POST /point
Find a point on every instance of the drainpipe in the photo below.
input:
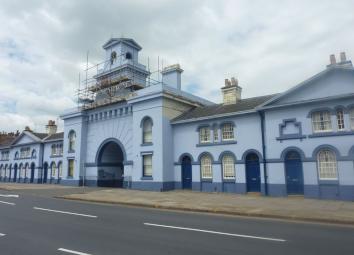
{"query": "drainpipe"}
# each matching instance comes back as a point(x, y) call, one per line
point(261, 114)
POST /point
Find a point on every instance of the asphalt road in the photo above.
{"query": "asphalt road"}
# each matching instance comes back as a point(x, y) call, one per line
point(34, 224)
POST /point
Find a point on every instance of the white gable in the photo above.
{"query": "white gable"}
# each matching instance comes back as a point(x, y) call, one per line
point(24, 139)
point(330, 83)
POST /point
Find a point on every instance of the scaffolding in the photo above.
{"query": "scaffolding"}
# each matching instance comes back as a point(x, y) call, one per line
point(104, 85)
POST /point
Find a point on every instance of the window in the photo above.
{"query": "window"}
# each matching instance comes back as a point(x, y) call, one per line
point(25, 152)
point(327, 165)
point(71, 168)
point(5, 155)
point(60, 170)
point(72, 138)
point(34, 154)
point(147, 165)
point(147, 130)
point(340, 119)
point(16, 155)
point(352, 118)
point(228, 132)
point(206, 167)
point(54, 150)
point(216, 135)
point(321, 121)
point(54, 169)
point(228, 167)
point(26, 170)
point(204, 135)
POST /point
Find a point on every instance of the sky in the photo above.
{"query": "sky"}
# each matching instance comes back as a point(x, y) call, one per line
point(269, 46)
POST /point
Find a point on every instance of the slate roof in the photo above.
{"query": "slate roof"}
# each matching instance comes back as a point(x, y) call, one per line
point(219, 109)
point(6, 141)
point(56, 136)
point(40, 135)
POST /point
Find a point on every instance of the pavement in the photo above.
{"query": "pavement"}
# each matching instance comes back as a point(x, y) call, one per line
point(291, 208)
point(36, 224)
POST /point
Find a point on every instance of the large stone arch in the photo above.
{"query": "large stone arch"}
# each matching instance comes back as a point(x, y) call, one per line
point(110, 158)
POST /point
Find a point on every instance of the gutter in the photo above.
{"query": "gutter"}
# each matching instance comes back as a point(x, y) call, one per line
point(261, 114)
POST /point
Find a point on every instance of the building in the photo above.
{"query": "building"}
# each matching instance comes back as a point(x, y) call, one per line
point(133, 134)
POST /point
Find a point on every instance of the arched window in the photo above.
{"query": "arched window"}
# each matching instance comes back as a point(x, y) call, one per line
point(5, 170)
point(340, 119)
point(227, 132)
point(327, 165)
point(60, 169)
point(352, 118)
point(228, 167)
point(34, 154)
point(147, 130)
point(54, 169)
point(16, 155)
point(1, 171)
point(72, 138)
point(25, 170)
point(321, 121)
point(206, 167)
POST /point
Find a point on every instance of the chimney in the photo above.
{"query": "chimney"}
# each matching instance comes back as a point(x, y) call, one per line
point(343, 58)
point(231, 92)
point(332, 59)
point(171, 76)
point(51, 127)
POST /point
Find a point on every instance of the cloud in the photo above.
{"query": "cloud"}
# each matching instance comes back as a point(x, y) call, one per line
point(268, 45)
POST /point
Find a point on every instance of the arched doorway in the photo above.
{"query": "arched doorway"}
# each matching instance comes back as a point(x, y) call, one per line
point(110, 165)
point(253, 173)
point(293, 173)
point(45, 172)
point(186, 172)
point(15, 173)
point(32, 173)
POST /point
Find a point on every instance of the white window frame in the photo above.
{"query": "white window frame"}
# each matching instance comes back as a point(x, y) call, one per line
point(228, 167)
point(216, 134)
point(206, 167)
point(72, 140)
point(204, 135)
point(60, 169)
point(73, 168)
point(147, 165)
point(321, 121)
point(53, 169)
point(327, 165)
point(147, 131)
point(227, 132)
point(340, 119)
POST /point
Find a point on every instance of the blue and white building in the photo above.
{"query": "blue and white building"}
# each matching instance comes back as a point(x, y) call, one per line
point(131, 134)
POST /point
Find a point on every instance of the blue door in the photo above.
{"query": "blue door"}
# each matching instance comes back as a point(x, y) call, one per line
point(32, 174)
point(253, 173)
point(293, 174)
point(15, 173)
point(45, 174)
point(186, 173)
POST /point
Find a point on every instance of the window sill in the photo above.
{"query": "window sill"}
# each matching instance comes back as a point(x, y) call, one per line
point(56, 156)
point(328, 182)
point(326, 134)
point(146, 144)
point(289, 137)
point(146, 178)
point(71, 151)
point(210, 180)
point(215, 144)
point(229, 180)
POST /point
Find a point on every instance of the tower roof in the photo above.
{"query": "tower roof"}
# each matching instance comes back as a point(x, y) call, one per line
point(128, 41)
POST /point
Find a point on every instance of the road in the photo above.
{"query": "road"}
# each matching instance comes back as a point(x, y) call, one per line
point(35, 224)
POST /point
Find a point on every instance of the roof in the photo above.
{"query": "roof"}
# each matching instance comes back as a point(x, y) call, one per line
point(6, 141)
point(40, 135)
point(128, 41)
point(242, 105)
point(56, 136)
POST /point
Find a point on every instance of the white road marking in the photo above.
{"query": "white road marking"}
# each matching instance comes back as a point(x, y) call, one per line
point(72, 252)
point(8, 203)
point(2, 234)
point(2, 195)
point(63, 212)
point(218, 233)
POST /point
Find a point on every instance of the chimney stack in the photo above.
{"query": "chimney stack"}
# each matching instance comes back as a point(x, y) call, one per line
point(332, 59)
point(231, 92)
point(171, 76)
point(343, 58)
point(51, 127)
